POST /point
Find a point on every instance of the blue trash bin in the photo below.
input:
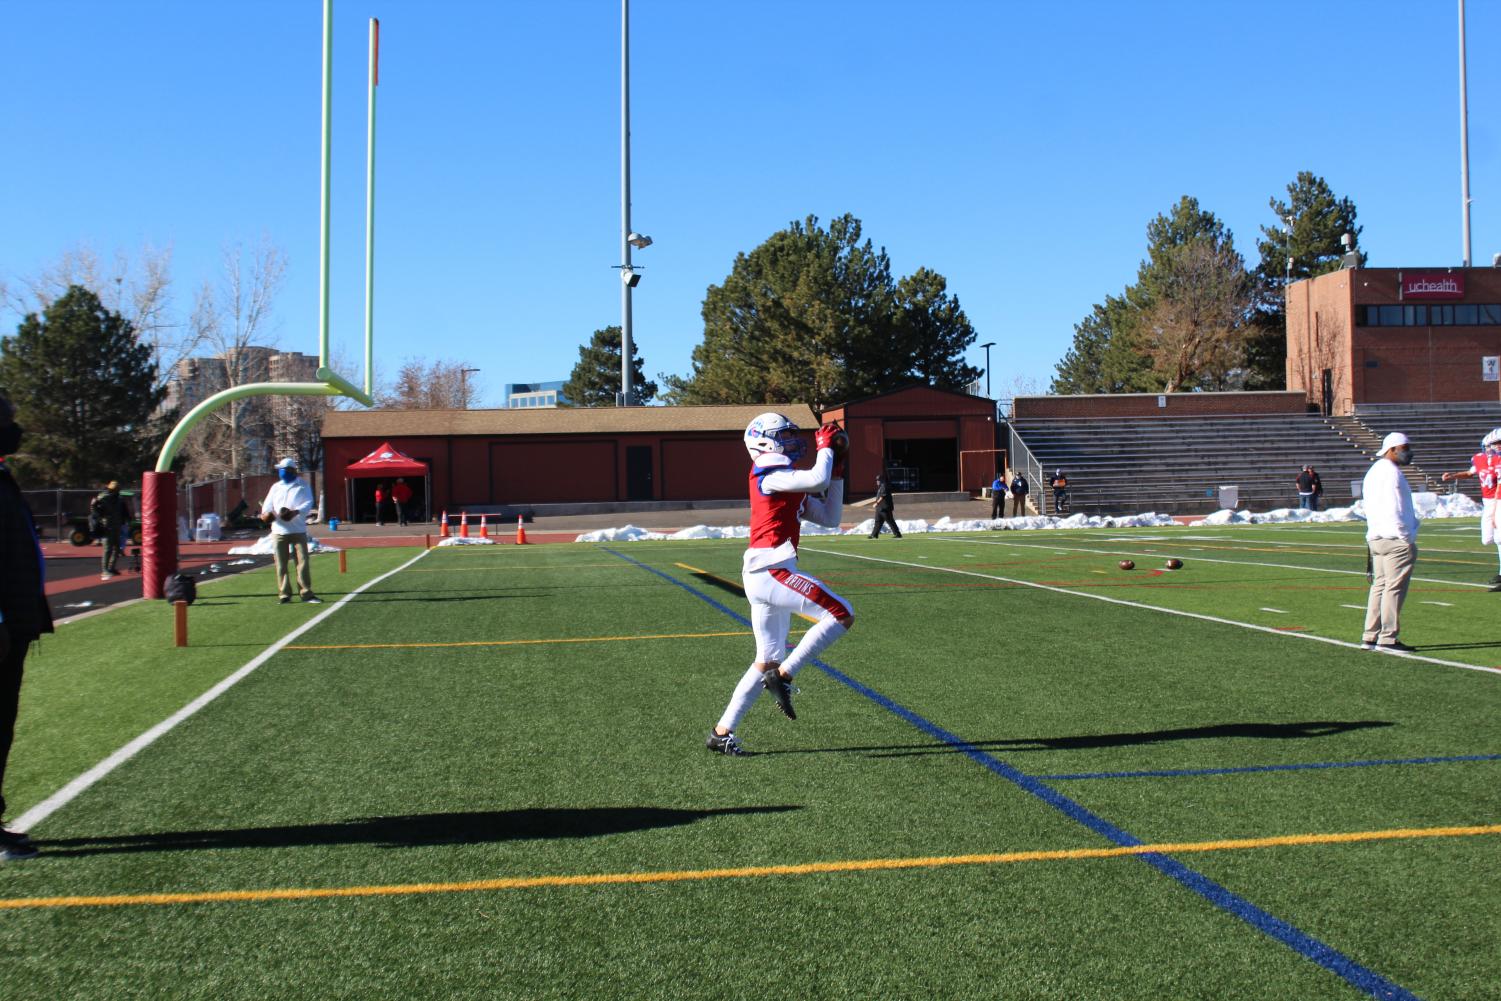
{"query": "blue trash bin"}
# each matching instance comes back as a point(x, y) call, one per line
point(333, 524)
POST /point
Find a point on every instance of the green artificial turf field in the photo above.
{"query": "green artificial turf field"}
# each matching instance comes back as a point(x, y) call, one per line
point(1025, 773)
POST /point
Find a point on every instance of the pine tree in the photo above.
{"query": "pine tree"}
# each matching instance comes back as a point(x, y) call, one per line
point(595, 380)
point(85, 388)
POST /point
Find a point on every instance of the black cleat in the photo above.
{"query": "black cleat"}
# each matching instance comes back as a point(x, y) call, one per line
point(780, 689)
point(726, 743)
point(15, 845)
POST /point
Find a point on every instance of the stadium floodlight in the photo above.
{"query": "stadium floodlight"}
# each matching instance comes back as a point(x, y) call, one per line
point(638, 241)
point(630, 276)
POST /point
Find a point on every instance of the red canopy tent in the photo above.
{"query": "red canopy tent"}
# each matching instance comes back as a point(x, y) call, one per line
point(386, 463)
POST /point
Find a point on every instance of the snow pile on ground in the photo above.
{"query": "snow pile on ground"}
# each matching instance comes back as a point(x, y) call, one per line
point(1428, 505)
point(455, 540)
point(266, 546)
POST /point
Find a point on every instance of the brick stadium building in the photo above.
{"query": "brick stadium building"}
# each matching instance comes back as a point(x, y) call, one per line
point(517, 458)
point(1395, 336)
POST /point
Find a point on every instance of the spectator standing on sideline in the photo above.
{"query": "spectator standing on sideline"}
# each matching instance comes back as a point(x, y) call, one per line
point(998, 497)
point(380, 502)
point(286, 509)
point(781, 496)
point(1486, 464)
point(1392, 540)
point(1019, 490)
point(401, 496)
point(1059, 483)
point(24, 615)
point(113, 516)
point(1304, 482)
point(1318, 490)
point(884, 508)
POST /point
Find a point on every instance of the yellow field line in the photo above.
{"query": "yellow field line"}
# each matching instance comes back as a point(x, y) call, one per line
point(561, 639)
point(803, 869)
point(738, 587)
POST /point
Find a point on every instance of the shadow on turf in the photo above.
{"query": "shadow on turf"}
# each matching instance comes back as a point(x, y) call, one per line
point(480, 827)
point(1262, 731)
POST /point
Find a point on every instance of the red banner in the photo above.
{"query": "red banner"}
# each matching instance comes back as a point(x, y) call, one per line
point(1445, 285)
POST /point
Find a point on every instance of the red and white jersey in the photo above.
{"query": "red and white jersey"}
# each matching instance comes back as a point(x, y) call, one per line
point(1487, 467)
point(781, 497)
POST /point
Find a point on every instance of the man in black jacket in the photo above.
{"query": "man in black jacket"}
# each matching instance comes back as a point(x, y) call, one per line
point(113, 514)
point(23, 608)
point(883, 509)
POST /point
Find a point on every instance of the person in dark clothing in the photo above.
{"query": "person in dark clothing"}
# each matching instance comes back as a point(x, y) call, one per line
point(884, 508)
point(1019, 490)
point(24, 615)
point(112, 514)
point(1304, 483)
point(1318, 489)
point(1059, 483)
point(998, 497)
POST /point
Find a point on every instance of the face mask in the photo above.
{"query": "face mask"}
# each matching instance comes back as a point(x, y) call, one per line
point(10, 439)
point(287, 475)
point(1403, 456)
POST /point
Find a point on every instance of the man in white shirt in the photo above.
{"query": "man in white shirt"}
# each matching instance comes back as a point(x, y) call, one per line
point(1392, 539)
point(286, 509)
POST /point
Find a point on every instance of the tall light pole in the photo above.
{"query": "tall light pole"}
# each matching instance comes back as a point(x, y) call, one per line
point(987, 346)
point(1464, 139)
point(628, 277)
point(464, 386)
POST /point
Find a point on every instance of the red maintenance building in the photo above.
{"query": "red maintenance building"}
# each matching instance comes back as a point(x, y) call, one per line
point(926, 439)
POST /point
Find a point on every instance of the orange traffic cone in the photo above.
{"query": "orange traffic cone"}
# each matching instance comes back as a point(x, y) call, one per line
point(463, 524)
point(520, 531)
point(484, 533)
point(443, 526)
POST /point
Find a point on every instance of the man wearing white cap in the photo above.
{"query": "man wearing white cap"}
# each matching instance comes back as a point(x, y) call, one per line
point(286, 509)
point(1392, 538)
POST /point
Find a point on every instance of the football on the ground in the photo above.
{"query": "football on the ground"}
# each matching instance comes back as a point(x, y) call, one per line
point(1175, 564)
point(1128, 565)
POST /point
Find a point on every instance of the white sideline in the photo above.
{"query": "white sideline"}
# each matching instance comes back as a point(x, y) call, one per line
point(47, 807)
point(1153, 608)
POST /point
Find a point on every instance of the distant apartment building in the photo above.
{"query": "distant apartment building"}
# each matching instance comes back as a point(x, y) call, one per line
point(535, 395)
point(267, 424)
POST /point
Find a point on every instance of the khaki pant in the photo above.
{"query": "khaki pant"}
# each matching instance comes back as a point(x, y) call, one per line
point(1392, 562)
point(293, 544)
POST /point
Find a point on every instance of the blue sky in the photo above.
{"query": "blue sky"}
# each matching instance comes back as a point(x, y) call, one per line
point(1018, 149)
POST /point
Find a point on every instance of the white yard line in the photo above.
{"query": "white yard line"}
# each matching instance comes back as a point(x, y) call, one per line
point(1151, 608)
point(1201, 559)
point(47, 807)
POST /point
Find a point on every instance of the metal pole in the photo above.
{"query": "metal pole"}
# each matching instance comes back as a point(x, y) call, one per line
point(987, 346)
point(328, 90)
point(625, 200)
point(1464, 139)
point(370, 209)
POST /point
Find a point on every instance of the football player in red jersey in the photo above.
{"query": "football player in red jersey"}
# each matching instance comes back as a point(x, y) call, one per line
point(1486, 464)
point(781, 496)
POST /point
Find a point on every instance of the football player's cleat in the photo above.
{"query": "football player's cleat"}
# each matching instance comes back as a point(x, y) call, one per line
point(726, 743)
point(780, 689)
point(773, 433)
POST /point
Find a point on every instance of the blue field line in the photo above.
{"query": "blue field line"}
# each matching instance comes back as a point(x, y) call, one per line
point(1171, 773)
point(1336, 962)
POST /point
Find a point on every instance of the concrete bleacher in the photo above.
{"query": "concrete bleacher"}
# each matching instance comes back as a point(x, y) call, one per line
point(1177, 465)
point(1444, 435)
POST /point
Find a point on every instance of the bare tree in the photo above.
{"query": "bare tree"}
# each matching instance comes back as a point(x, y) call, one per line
point(233, 317)
point(420, 385)
point(1194, 329)
point(139, 289)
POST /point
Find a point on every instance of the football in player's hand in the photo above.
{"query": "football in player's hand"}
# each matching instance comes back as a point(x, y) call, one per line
point(833, 436)
point(1128, 565)
point(287, 514)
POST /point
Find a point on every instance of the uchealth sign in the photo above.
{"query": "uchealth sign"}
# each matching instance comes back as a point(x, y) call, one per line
point(1445, 285)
